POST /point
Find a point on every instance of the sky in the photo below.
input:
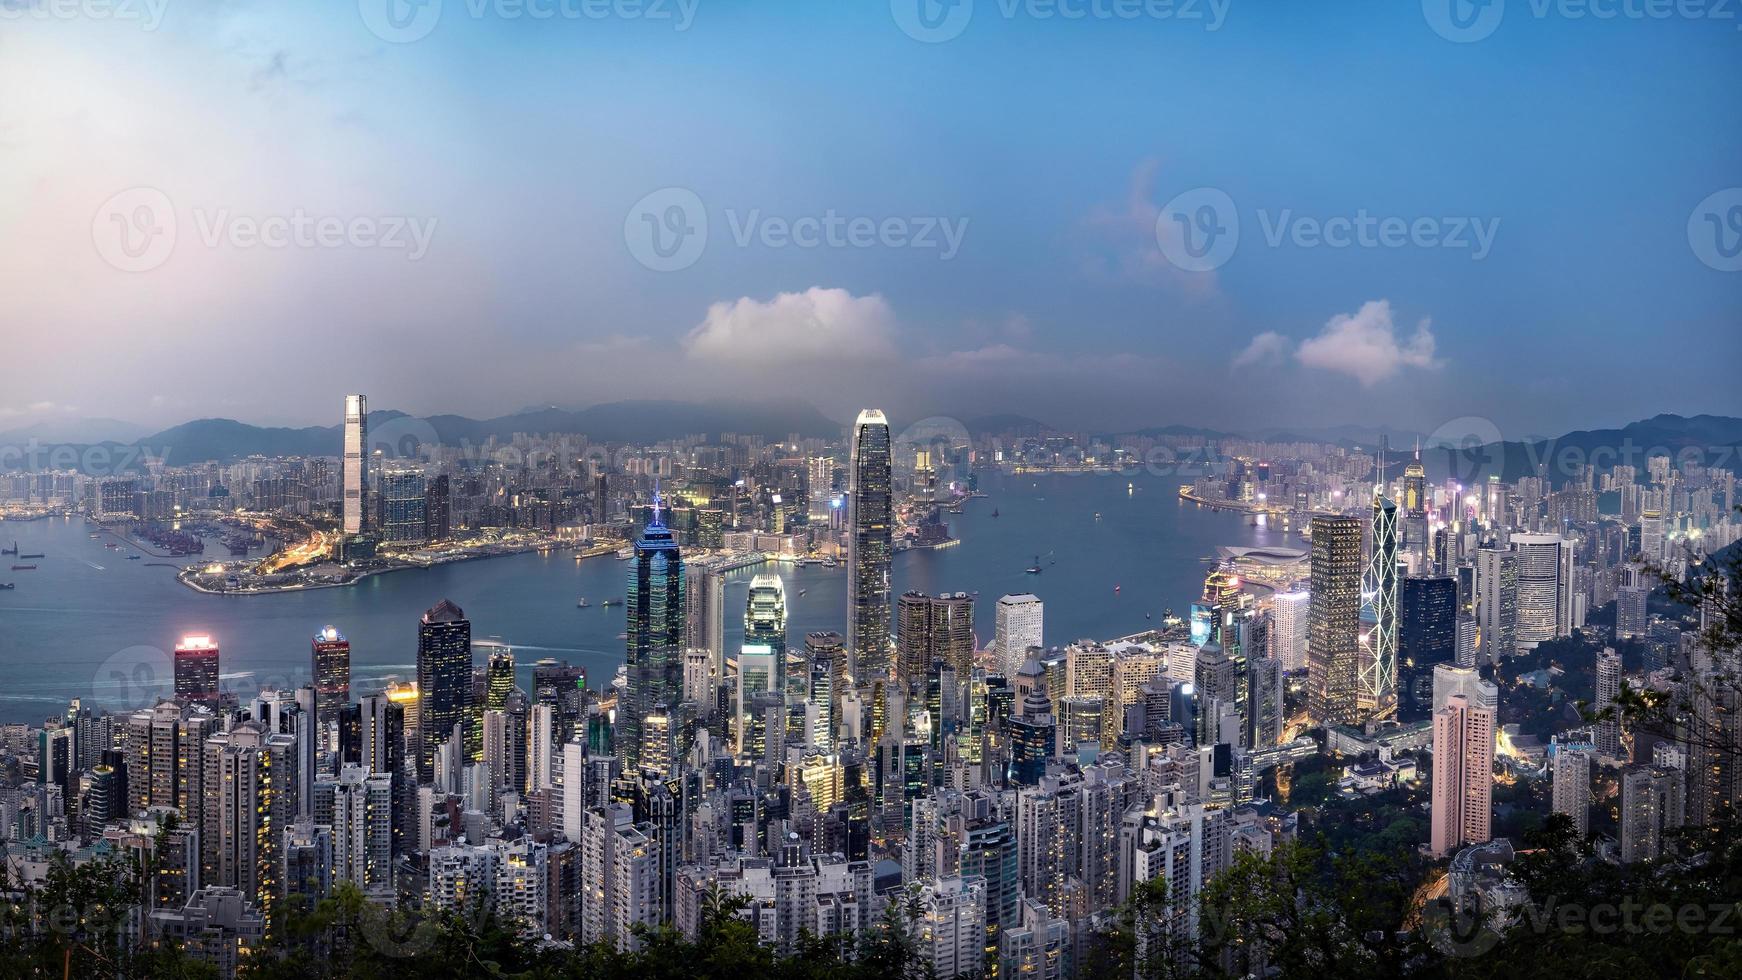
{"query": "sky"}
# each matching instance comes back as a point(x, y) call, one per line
point(1104, 213)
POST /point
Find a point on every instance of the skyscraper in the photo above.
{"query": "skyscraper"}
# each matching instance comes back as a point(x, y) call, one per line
point(444, 680)
point(1427, 636)
point(1334, 621)
point(1463, 780)
point(1539, 588)
point(1415, 532)
point(934, 628)
point(331, 659)
point(1017, 627)
point(705, 614)
point(1497, 601)
point(355, 470)
point(1608, 730)
point(765, 614)
point(870, 542)
point(1288, 633)
point(1571, 765)
point(196, 670)
point(655, 614)
point(404, 505)
point(1378, 691)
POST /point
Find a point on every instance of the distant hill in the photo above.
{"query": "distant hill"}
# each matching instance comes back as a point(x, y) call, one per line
point(73, 431)
point(1713, 440)
point(630, 421)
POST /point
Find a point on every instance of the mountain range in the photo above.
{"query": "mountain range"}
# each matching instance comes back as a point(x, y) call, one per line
point(1717, 438)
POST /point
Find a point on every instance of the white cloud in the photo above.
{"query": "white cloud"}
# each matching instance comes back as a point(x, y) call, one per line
point(1365, 345)
point(814, 325)
point(1266, 348)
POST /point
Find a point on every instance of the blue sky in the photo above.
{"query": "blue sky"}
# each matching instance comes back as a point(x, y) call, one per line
point(526, 147)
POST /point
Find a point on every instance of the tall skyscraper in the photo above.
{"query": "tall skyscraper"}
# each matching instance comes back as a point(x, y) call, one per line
point(1463, 780)
point(331, 660)
point(1378, 691)
point(1539, 560)
point(1415, 530)
point(1608, 730)
point(404, 505)
point(1653, 803)
point(1334, 622)
point(355, 469)
point(1288, 632)
point(870, 544)
point(1571, 765)
point(705, 614)
point(196, 670)
point(444, 680)
point(1497, 601)
point(765, 614)
point(1427, 636)
point(655, 614)
point(934, 628)
point(1017, 627)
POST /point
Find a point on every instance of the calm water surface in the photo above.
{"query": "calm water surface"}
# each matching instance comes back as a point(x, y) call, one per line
point(85, 621)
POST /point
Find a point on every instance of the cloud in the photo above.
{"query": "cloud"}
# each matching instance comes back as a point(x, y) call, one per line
point(1266, 348)
point(1365, 345)
point(815, 325)
point(1126, 249)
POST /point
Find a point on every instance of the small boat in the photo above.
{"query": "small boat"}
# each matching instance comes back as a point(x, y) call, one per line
point(24, 568)
point(624, 554)
point(612, 602)
point(803, 591)
point(1115, 590)
point(581, 603)
point(1034, 569)
point(1097, 515)
point(133, 557)
point(994, 512)
point(7, 586)
point(33, 556)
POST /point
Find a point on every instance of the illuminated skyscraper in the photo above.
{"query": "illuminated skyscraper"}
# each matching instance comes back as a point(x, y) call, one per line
point(1497, 601)
point(1463, 776)
point(355, 470)
point(1414, 504)
point(444, 680)
point(654, 658)
point(765, 614)
point(1540, 560)
point(331, 656)
point(1018, 627)
point(934, 628)
point(870, 542)
point(1334, 621)
point(404, 505)
point(196, 670)
point(1378, 694)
